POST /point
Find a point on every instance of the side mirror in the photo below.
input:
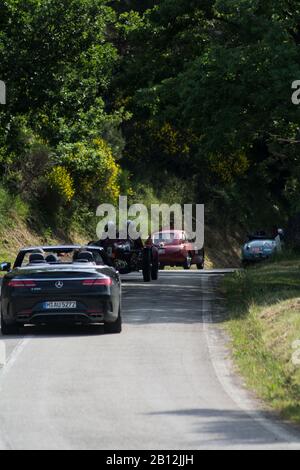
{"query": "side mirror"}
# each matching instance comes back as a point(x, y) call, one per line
point(5, 267)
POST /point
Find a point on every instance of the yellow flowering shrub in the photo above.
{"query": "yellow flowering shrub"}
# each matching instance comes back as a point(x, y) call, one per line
point(227, 167)
point(61, 181)
point(94, 169)
point(172, 140)
point(110, 169)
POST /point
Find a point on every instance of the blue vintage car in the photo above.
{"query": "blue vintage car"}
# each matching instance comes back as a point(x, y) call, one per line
point(260, 247)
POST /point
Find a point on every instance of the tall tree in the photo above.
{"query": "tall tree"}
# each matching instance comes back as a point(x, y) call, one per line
point(218, 74)
point(56, 59)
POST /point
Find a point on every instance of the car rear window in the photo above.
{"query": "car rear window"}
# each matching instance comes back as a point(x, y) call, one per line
point(68, 257)
point(166, 237)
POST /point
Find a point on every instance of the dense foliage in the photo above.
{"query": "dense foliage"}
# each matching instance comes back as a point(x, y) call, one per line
point(189, 100)
point(59, 142)
point(211, 102)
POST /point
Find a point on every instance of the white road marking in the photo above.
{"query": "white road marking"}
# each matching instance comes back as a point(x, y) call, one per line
point(6, 366)
point(13, 358)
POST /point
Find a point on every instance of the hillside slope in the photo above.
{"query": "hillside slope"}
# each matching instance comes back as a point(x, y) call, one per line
point(222, 251)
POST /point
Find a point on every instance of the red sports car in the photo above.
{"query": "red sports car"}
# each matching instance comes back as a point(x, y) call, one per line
point(176, 249)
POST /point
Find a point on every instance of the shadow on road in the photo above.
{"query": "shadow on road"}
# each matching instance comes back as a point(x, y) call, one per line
point(231, 427)
point(63, 331)
point(175, 298)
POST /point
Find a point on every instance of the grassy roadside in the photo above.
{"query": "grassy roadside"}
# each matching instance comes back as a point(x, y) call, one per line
point(264, 309)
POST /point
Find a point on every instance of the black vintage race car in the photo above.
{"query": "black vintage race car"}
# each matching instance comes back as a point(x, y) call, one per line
point(132, 256)
point(60, 284)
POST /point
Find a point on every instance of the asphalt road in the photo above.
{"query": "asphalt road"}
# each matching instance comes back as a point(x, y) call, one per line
point(165, 383)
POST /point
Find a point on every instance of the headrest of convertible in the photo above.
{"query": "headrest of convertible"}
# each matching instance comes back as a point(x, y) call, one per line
point(85, 257)
point(52, 259)
point(36, 258)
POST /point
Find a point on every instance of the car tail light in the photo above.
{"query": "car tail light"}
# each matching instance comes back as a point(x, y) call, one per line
point(95, 313)
point(21, 284)
point(97, 282)
point(25, 312)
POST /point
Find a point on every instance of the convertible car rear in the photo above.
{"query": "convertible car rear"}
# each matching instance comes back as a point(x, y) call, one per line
point(54, 291)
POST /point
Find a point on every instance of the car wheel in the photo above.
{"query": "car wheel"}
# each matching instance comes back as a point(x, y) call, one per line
point(114, 328)
point(8, 330)
point(147, 274)
point(147, 268)
point(200, 266)
point(155, 271)
point(188, 262)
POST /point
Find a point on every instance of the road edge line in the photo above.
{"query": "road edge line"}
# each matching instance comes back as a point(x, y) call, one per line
point(5, 444)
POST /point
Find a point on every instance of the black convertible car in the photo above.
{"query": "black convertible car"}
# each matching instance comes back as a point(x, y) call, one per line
point(61, 284)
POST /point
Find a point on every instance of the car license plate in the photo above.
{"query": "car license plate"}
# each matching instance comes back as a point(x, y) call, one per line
point(162, 251)
point(256, 250)
point(60, 305)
